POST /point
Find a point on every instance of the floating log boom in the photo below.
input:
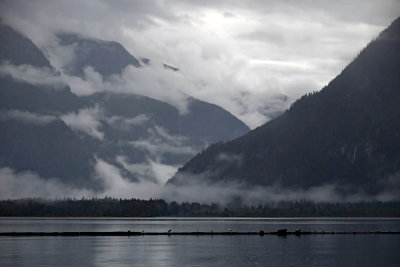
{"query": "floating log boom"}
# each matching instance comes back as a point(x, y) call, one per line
point(281, 232)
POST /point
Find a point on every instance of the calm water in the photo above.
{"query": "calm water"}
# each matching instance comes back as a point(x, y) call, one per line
point(335, 250)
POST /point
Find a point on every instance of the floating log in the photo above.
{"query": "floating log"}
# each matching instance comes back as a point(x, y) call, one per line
point(280, 232)
point(297, 232)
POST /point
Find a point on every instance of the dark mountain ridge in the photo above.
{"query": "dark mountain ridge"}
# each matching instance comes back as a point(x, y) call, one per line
point(347, 134)
point(106, 57)
point(16, 48)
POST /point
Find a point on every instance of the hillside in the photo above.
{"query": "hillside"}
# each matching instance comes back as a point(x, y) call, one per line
point(347, 134)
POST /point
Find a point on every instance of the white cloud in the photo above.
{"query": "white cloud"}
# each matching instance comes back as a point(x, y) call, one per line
point(32, 75)
point(229, 158)
point(163, 172)
point(142, 170)
point(153, 81)
point(85, 120)
point(117, 186)
point(225, 192)
point(127, 123)
point(28, 184)
point(90, 84)
point(15, 185)
point(150, 170)
point(27, 117)
point(159, 141)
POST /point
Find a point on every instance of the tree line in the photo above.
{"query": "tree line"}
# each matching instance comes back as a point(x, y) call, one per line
point(112, 207)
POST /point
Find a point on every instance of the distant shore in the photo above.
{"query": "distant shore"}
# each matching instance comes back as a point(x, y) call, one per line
point(111, 207)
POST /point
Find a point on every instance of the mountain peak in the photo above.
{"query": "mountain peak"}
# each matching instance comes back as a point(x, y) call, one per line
point(392, 32)
point(17, 49)
point(105, 57)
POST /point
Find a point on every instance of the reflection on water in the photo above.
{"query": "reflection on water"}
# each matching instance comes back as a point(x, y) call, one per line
point(338, 250)
point(194, 224)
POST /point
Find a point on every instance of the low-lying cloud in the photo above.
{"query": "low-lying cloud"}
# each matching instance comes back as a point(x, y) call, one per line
point(27, 117)
point(160, 142)
point(85, 120)
point(226, 193)
point(16, 185)
point(150, 170)
point(28, 184)
point(32, 75)
point(126, 123)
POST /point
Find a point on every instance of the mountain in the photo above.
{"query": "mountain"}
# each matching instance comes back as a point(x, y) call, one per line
point(48, 147)
point(47, 129)
point(140, 128)
point(16, 48)
point(106, 57)
point(347, 134)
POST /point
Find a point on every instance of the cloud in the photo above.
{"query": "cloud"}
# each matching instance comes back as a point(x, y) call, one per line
point(160, 142)
point(153, 81)
point(32, 75)
point(15, 185)
point(229, 158)
point(227, 192)
point(127, 123)
point(27, 117)
point(163, 172)
point(142, 170)
point(92, 82)
point(240, 55)
point(28, 184)
point(273, 36)
point(117, 186)
point(149, 170)
point(85, 120)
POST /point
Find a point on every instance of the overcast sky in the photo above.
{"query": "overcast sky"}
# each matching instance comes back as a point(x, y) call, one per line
point(242, 55)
